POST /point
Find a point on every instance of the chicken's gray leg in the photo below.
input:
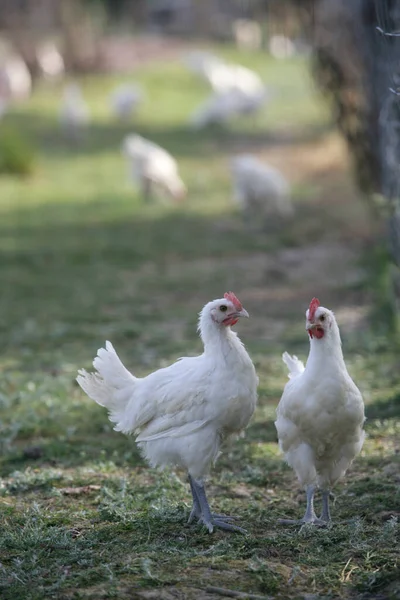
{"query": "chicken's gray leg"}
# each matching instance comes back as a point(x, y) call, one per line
point(325, 515)
point(196, 510)
point(201, 510)
point(309, 515)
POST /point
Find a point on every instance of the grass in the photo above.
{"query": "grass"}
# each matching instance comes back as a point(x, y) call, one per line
point(82, 260)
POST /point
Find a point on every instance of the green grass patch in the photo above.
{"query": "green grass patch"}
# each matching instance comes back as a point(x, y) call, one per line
point(82, 261)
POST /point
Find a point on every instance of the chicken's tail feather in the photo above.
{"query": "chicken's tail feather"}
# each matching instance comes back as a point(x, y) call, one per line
point(294, 365)
point(112, 385)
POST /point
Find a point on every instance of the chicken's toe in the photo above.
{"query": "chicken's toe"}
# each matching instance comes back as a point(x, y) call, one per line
point(223, 524)
point(222, 517)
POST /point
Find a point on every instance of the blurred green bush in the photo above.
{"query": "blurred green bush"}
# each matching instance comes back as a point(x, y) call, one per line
point(17, 156)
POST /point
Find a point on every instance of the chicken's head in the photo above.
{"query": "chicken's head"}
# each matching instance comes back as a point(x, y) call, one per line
point(319, 320)
point(177, 189)
point(227, 310)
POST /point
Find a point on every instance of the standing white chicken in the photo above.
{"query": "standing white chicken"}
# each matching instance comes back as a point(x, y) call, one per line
point(221, 76)
point(150, 165)
point(74, 113)
point(224, 77)
point(181, 414)
point(15, 79)
point(321, 413)
point(223, 106)
point(258, 189)
point(124, 100)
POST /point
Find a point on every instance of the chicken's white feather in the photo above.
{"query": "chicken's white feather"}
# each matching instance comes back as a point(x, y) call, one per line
point(295, 366)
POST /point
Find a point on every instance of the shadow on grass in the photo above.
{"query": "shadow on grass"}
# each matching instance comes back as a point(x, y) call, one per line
point(384, 409)
point(105, 137)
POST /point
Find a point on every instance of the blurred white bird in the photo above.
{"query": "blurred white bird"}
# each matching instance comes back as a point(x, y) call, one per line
point(281, 47)
point(74, 113)
point(259, 190)
point(228, 77)
point(224, 77)
point(15, 79)
point(218, 108)
point(50, 60)
point(222, 107)
point(181, 414)
point(321, 413)
point(247, 34)
point(124, 100)
point(151, 166)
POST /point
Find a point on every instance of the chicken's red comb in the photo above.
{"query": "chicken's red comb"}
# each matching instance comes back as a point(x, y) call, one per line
point(235, 301)
point(314, 304)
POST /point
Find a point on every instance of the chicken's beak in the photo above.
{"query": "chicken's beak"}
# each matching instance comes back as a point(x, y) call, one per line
point(243, 313)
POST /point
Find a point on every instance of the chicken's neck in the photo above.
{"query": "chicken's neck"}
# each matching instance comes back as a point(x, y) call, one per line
point(326, 351)
point(220, 341)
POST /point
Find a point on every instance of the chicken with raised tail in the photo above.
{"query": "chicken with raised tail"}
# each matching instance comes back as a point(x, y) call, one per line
point(320, 416)
point(181, 414)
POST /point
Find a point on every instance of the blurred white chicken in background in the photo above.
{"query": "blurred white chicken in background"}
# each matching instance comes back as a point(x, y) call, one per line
point(50, 60)
point(150, 166)
point(222, 76)
point(222, 107)
point(281, 47)
point(218, 108)
point(259, 190)
point(321, 413)
point(247, 34)
point(181, 414)
point(15, 79)
point(74, 113)
point(227, 77)
point(124, 101)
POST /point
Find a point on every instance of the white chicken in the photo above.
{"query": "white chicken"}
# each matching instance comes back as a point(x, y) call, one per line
point(50, 61)
point(152, 166)
point(321, 413)
point(74, 113)
point(181, 414)
point(223, 77)
point(221, 107)
point(15, 79)
point(125, 100)
point(259, 190)
point(247, 34)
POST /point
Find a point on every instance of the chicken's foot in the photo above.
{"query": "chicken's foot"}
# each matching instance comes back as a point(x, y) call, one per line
point(309, 516)
point(201, 510)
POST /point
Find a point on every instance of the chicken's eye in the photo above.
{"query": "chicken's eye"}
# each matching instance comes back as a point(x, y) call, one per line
point(322, 318)
point(223, 308)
